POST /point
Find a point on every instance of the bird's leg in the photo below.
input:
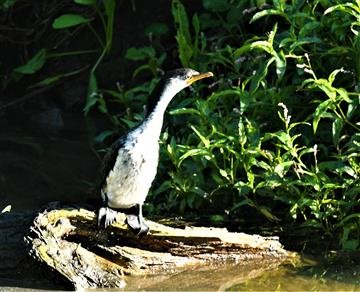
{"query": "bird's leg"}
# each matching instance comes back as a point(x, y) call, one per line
point(106, 216)
point(137, 223)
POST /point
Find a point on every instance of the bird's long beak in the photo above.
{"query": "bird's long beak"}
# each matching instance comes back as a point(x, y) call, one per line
point(199, 76)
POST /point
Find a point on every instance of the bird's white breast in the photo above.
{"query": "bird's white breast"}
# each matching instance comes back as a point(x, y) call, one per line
point(128, 183)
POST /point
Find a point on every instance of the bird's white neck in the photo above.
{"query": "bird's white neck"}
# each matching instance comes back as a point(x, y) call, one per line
point(154, 121)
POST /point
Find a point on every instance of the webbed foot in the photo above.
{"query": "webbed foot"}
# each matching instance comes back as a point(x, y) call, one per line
point(137, 224)
point(106, 217)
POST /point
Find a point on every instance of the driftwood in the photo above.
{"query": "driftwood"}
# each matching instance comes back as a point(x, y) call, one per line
point(69, 241)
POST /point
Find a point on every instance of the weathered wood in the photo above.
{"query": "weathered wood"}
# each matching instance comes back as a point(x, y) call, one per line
point(15, 268)
point(69, 241)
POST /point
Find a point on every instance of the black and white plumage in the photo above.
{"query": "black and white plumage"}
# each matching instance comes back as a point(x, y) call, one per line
point(130, 166)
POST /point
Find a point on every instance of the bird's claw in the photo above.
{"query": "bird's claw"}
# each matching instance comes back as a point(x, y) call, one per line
point(137, 224)
point(106, 217)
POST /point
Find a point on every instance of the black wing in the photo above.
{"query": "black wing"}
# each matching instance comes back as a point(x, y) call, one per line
point(108, 163)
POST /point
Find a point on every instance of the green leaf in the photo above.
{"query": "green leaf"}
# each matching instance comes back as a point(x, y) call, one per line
point(202, 138)
point(69, 20)
point(262, 45)
point(109, 7)
point(140, 54)
point(86, 2)
point(331, 165)
point(353, 107)
point(342, 92)
point(100, 138)
point(196, 25)
point(260, 75)
point(185, 111)
point(242, 133)
point(191, 153)
point(281, 168)
point(280, 61)
point(309, 28)
point(337, 126)
point(349, 8)
point(34, 64)
point(326, 87)
point(320, 111)
point(267, 12)
point(216, 5)
point(333, 75)
point(53, 79)
point(185, 50)
point(304, 41)
point(268, 215)
point(279, 4)
point(223, 173)
point(91, 99)
point(157, 29)
point(355, 216)
point(181, 20)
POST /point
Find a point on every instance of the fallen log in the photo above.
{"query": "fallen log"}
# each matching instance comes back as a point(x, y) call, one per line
point(69, 241)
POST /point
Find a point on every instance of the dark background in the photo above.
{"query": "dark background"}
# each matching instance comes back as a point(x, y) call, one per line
point(45, 152)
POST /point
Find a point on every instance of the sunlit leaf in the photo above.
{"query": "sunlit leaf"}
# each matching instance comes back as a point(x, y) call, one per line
point(266, 12)
point(320, 111)
point(202, 138)
point(192, 153)
point(333, 75)
point(185, 111)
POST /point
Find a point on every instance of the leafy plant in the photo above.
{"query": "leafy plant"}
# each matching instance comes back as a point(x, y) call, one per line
point(275, 139)
point(234, 154)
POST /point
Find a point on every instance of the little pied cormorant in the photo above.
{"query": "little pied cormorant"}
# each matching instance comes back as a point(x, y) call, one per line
point(130, 165)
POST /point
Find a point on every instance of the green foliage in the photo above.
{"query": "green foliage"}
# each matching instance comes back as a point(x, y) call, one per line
point(39, 61)
point(69, 20)
point(280, 131)
point(148, 55)
point(34, 64)
point(6, 4)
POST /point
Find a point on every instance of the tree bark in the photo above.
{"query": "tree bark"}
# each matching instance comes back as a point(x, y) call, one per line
point(69, 241)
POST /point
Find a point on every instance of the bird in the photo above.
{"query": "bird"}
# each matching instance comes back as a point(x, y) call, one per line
point(130, 165)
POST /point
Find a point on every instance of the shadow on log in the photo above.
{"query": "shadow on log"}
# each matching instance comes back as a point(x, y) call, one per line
point(69, 241)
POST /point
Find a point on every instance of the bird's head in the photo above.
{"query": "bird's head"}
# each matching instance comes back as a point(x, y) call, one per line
point(184, 77)
point(173, 82)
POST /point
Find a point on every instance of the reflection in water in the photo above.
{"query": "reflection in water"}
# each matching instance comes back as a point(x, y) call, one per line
point(304, 275)
point(287, 277)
